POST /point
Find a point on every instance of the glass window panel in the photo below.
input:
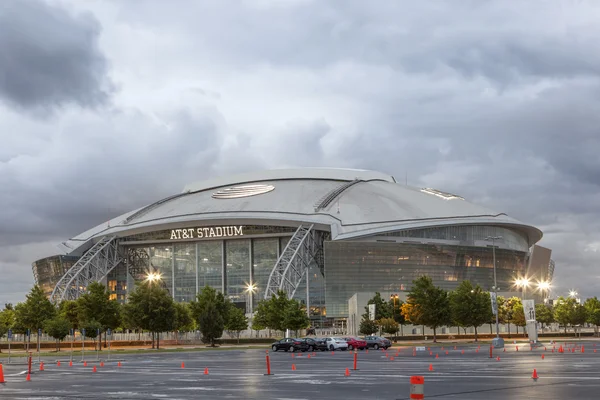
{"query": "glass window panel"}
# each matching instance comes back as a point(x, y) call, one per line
point(264, 259)
point(237, 268)
point(185, 272)
point(210, 265)
point(161, 261)
point(353, 267)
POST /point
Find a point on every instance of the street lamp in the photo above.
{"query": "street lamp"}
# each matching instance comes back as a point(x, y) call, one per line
point(153, 277)
point(250, 289)
point(544, 287)
point(523, 284)
point(498, 342)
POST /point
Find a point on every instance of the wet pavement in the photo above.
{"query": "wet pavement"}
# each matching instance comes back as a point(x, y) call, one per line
point(240, 374)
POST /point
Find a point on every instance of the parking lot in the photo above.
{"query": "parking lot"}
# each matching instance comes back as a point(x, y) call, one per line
point(463, 373)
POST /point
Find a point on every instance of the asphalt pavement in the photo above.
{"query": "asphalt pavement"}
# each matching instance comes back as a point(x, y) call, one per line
point(462, 373)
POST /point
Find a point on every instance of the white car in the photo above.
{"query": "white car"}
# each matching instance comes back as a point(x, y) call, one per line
point(336, 343)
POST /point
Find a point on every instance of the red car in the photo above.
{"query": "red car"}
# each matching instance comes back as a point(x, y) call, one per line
point(355, 343)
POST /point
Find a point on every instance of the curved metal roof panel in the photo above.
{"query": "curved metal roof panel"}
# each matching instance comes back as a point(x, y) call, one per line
point(353, 203)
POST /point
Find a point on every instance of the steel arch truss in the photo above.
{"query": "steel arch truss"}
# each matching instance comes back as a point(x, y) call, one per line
point(293, 263)
point(94, 265)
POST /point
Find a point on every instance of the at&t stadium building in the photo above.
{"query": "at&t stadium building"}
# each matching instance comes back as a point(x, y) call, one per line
point(321, 235)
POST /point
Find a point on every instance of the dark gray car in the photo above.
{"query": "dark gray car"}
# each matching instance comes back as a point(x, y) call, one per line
point(377, 342)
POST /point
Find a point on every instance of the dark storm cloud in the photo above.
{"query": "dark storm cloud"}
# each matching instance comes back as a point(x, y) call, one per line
point(49, 58)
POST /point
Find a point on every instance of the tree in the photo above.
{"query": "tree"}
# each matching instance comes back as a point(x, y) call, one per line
point(382, 308)
point(183, 319)
point(7, 320)
point(69, 310)
point(236, 321)
point(396, 306)
point(592, 306)
point(409, 312)
point(95, 304)
point(388, 325)
point(506, 310)
point(294, 316)
point(579, 316)
point(431, 304)
point(367, 326)
point(543, 314)
point(470, 306)
point(151, 307)
point(260, 319)
point(58, 328)
point(210, 310)
point(91, 327)
point(518, 315)
point(563, 311)
point(35, 311)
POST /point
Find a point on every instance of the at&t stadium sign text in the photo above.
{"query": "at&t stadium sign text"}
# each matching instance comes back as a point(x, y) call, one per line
point(211, 232)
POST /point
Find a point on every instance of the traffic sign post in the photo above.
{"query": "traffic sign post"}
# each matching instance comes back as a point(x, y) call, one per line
point(38, 342)
point(9, 339)
point(99, 344)
point(109, 334)
point(72, 332)
point(82, 344)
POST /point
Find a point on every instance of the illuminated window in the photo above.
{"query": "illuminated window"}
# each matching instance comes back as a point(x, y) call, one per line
point(113, 296)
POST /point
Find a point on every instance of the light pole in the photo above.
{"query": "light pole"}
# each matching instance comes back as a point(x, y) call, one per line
point(250, 289)
point(498, 342)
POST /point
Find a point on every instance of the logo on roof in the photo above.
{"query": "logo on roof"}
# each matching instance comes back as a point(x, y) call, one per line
point(242, 191)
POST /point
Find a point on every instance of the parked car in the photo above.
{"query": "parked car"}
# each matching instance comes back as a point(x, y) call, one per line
point(315, 344)
point(377, 342)
point(334, 343)
point(355, 343)
point(290, 344)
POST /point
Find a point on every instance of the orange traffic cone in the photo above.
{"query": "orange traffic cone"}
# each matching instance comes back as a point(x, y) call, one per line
point(332, 353)
point(504, 350)
point(542, 356)
point(583, 349)
point(28, 377)
point(293, 367)
point(392, 358)
point(308, 356)
point(454, 347)
point(431, 353)
point(367, 351)
point(431, 367)
point(462, 352)
point(292, 355)
point(498, 358)
point(437, 355)
point(594, 350)
point(85, 363)
point(517, 348)
point(182, 365)
point(446, 352)
point(102, 363)
point(1, 374)
point(534, 375)
point(94, 370)
point(205, 371)
point(42, 366)
point(119, 364)
point(347, 372)
point(58, 363)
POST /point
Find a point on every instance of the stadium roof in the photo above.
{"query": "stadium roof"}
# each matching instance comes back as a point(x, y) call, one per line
point(350, 203)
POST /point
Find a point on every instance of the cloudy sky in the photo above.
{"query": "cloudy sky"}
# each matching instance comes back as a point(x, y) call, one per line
point(108, 105)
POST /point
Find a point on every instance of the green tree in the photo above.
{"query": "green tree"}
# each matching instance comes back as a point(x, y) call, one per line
point(563, 311)
point(396, 307)
point(92, 327)
point(382, 307)
point(431, 305)
point(35, 311)
point(579, 316)
point(151, 307)
point(294, 316)
point(260, 320)
point(210, 311)
point(368, 326)
point(592, 306)
point(69, 310)
point(183, 319)
point(58, 328)
point(95, 304)
point(518, 315)
point(506, 310)
point(7, 320)
point(543, 314)
point(236, 321)
point(388, 325)
point(470, 306)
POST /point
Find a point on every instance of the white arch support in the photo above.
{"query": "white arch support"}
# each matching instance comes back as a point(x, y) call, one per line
point(94, 265)
point(294, 261)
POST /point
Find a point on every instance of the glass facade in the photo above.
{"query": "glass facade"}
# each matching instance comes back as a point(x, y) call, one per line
point(116, 283)
point(210, 265)
point(264, 257)
point(468, 234)
point(237, 258)
point(161, 261)
point(184, 288)
point(352, 267)
point(48, 271)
